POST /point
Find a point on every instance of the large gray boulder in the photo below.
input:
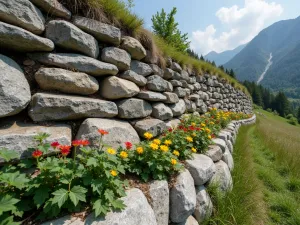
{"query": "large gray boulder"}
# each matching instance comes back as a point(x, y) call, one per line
point(14, 88)
point(137, 212)
point(53, 8)
point(176, 67)
point(178, 108)
point(44, 106)
point(153, 126)
point(168, 74)
point(161, 111)
point(115, 88)
point(180, 92)
point(171, 98)
point(151, 96)
point(101, 31)
point(221, 143)
point(204, 205)
point(22, 13)
point(228, 159)
point(201, 167)
point(222, 178)
point(214, 152)
point(134, 47)
point(139, 80)
point(66, 81)
point(116, 56)
point(18, 39)
point(156, 83)
point(189, 221)
point(119, 132)
point(182, 197)
point(159, 193)
point(76, 62)
point(133, 108)
point(19, 136)
point(141, 68)
point(68, 36)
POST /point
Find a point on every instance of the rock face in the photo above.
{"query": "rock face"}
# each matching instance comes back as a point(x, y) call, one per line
point(141, 68)
point(68, 36)
point(204, 205)
point(18, 39)
point(66, 220)
point(182, 198)
point(137, 212)
point(214, 152)
point(221, 143)
point(66, 81)
point(19, 136)
point(202, 168)
point(46, 106)
point(151, 96)
point(139, 80)
point(222, 178)
point(159, 193)
point(75, 62)
point(116, 56)
point(227, 158)
point(156, 83)
point(171, 98)
point(53, 7)
point(178, 108)
point(115, 88)
point(22, 13)
point(153, 126)
point(101, 31)
point(118, 132)
point(189, 221)
point(134, 108)
point(161, 111)
point(134, 47)
point(14, 88)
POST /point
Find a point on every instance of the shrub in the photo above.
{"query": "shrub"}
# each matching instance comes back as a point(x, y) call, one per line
point(289, 116)
point(293, 121)
point(275, 113)
point(269, 110)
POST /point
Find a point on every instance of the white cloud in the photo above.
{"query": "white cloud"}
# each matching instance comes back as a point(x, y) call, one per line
point(241, 25)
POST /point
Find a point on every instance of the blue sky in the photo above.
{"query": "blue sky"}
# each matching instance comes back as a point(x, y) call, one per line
point(216, 25)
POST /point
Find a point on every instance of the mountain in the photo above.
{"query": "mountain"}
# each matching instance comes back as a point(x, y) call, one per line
point(274, 56)
point(223, 57)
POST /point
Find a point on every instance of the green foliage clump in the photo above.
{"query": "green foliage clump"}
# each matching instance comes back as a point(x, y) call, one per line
point(293, 121)
point(298, 115)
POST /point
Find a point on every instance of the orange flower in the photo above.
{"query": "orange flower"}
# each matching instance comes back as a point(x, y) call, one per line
point(76, 143)
point(37, 154)
point(65, 150)
point(103, 132)
point(85, 142)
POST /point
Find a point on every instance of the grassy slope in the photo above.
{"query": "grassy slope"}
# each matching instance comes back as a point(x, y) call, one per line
point(266, 177)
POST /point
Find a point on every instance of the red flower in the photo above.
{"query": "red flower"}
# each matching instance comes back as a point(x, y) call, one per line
point(180, 127)
point(128, 145)
point(76, 143)
point(192, 128)
point(213, 136)
point(65, 150)
point(85, 142)
point(102, 132)
point(55, 144)
point(37, 154)
point(170, 129)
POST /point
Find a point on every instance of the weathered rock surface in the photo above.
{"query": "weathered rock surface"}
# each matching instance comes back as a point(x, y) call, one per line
point(168, 74)
point(66, 81)
point(101, 31)
point(204, 205)
point(14, 88)
point(156, 83)
point(134, 47)
point(178, 108)
point(18, 39)
point(141, 68)
point(133, 108)
point(171, 98)
point(137, 212)
point(76, 62)
point(44, 106)
point(152, 96)
point(115, 88)
point(157, 70)
point(66, 220)
point(19, 136)
point(22, 13)
point(182, 198)
point(159, 193)
point(154, 126)
point(222, 178)
point(68, 36)
point(161, 111)
point(53, 8)
point(139, 80)
point(118, 132)
point(214, 152)
point(176, 67)
point(189, 221)
point(227, 158)
point(201, 167)
point(116, 56)
point(221, 143)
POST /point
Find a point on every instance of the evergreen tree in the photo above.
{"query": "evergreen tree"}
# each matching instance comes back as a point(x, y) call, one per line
point(222, 68)
point(257, 98)
point(213, 63)
point(231, 73)
point(298, 115)
point(281, 104)
point(164, 25)
point(193, 54)
point(202, 58)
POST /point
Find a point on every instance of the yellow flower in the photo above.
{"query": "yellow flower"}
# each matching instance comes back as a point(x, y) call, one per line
point(153, 146)
point(111, 151)
point(194, 134)
point(157, 141)
point(176, 153)
point(193, 124)
point(113, 173)
point(212, 123)
point(209, 136)
point(168, 142)
point(203, 124)
point(123, 154)
point(173, 161)
point(207, 130)
point(164, 148)
point(139, 150)
point(194, 150)
point(148, 135)
point(189, 139)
